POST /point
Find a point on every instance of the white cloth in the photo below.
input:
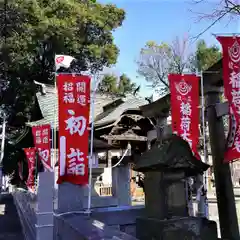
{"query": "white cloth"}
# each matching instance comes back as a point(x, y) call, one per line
point(63, 61)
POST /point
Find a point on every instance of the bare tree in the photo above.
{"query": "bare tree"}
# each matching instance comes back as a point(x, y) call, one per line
point(156, 61)
point(180, 55)
point(223, 9)
point(154, 64)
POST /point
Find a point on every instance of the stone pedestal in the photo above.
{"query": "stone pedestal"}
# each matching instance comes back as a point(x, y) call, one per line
point(44, 211)
point(176, 197)
point(70, 197)
point(167, 167)
point(188, 228)
point(75, 197)
point(121, 185)
point(155, 195)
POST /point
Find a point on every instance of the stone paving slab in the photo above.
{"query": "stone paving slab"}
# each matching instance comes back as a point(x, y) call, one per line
point(10, 226)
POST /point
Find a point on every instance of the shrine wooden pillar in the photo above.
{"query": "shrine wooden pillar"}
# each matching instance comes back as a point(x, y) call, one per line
point(223, 182)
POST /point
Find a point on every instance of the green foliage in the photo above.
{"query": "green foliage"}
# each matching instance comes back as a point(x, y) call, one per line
point(110, 83)
point(33, 31)
point(205, 56)
point(36, 30)
point(125, 85)
point(12, 157)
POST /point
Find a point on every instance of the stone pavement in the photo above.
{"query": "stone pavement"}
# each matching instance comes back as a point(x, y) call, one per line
point(10, 226)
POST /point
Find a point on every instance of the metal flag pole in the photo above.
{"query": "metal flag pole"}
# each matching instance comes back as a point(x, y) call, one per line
point(54, 131)
point(52, 146)
point(3, 137)
point(36, 173)
point(205, 154)
point(2, 147)
point(92, 101)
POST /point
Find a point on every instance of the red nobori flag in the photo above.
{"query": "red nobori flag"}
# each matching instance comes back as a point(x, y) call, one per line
point(231, 80)
point(31, 158)
point(74, 106)
point(41, 135)
point(185, 108)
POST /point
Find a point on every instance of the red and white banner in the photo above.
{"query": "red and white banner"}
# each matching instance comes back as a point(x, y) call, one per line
point(74, 106)
point(185, 108)
point(41, 135)
point(31, 158)
point(231, 80)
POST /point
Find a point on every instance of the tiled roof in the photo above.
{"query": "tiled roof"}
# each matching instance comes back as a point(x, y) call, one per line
point(48, 102)
point(130, 102)
point(49, 105)
point(157, 107)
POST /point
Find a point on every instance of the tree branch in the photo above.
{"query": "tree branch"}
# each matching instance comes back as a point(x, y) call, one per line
point(227, 7)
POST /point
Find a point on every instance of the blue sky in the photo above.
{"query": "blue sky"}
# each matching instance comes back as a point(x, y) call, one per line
point(160, 20)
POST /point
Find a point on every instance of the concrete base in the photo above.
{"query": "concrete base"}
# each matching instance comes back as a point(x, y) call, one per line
point(193, 228)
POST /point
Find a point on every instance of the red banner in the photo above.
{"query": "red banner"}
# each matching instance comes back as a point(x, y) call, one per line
point(231, 80)
point(74, 106)
point(31, 158)
point(185, 108)
point(41, 135)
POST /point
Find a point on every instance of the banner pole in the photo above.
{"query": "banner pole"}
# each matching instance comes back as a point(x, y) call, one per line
point(55, 123)
point(92, 100)
point(36, 172)
point(3, 136)
point(2, 147)
point(205, 183)
point(52, 146)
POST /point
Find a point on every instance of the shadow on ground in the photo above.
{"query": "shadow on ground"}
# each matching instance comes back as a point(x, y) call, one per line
point(10, 226)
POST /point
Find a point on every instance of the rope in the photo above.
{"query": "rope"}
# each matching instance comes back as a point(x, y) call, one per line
point(128, 148)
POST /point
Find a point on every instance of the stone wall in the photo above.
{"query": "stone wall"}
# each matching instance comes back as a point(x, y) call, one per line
point(112, 223)
point(35, 210)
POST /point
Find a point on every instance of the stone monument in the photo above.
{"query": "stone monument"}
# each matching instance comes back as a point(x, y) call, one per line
point(167, 167)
